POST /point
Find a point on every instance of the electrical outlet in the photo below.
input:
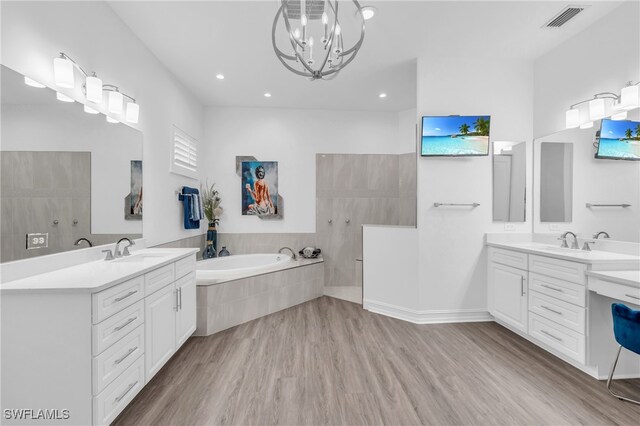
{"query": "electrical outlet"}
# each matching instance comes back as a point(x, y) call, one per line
point(554, 227)
point(509, 227)
point(37, 241)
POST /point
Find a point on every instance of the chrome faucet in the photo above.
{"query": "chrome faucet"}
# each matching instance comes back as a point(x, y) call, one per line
point(574, 243)
point(603, 233)
point(79, 240)
point(293, 254)
point(125, 252)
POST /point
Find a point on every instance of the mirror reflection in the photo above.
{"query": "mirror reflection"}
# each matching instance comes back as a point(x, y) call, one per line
point(509, 181)
point(556, 182)
point(69, 178)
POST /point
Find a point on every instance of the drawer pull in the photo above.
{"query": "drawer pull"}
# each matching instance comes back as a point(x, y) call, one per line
point(633, 297)
point(118, 399)
point(551, 335)
point(129, 321)
point(551, 310)
point(132, 350)
point(552, 288)
point(120, 299)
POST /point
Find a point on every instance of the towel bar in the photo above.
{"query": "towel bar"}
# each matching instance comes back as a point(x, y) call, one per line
point(624, 206)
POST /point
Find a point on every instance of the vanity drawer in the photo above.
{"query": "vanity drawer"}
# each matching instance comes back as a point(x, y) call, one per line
point(111, 401)
point(115, 299)
point(112, 362)
point(159, 278)
point(563, 290)
point(556, 268)
point(185, 266)
point(613, 290)
point(511, 258)
point(558, 337)
point(112, 329)
point(571, 316)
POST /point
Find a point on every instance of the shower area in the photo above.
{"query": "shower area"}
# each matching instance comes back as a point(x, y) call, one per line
point(354, 190)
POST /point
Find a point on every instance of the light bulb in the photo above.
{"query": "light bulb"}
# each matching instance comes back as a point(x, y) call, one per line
point(133, 112)
point(115, 102)
point(63, 72)
point(382, 95)
point(572, 118)
point(267, 95)
point(368, 12)
point(338, 30)
point(90, 110)
point(311, 41)
point(619, 116)
point(596, 109)
point(112, 120)
point(33, 83)
point(630, 98)
point(304, 20)
point(94, 89)
point(63, 98)
point(325, 18)
point(220, 76)
point(587, 125)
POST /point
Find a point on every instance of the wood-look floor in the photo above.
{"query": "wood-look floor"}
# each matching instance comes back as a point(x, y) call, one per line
point(328, 362)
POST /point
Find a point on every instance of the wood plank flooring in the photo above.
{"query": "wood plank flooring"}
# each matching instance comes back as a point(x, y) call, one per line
point(328, 362)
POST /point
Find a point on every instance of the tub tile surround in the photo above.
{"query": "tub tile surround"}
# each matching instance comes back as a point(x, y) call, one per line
point(229, 303)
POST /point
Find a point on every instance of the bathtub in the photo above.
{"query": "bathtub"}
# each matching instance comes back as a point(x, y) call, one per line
point(238, 266)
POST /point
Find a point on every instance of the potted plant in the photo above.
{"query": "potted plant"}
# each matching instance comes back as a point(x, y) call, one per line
point(212, 210)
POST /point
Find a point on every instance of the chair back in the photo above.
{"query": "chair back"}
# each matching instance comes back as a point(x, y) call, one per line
point(626, 326)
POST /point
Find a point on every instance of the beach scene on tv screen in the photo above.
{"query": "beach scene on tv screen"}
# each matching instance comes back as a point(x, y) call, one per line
point(620, 139)
point(455, 135)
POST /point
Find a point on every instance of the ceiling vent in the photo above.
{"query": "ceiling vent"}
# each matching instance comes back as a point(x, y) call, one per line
point(564, 16)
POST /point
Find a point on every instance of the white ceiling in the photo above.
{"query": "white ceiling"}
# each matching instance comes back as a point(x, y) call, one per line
point(197, 40)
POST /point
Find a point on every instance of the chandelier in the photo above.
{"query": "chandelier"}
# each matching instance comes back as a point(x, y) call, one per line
point(315, 49)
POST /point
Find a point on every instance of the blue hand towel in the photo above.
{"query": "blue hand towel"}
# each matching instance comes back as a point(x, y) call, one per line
point(187, 207)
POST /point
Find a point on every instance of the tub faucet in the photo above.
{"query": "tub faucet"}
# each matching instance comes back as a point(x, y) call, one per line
point(125, 252)
point(603, 233)
point(79, 240)
point(574, 243)
point(293, 254)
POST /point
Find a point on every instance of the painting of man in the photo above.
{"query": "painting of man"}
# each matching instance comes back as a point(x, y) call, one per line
point(260, 188)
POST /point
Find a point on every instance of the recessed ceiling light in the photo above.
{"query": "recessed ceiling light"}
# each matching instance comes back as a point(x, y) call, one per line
point(368, 12)
point(382, 95)
point(267, 95)
point(30, 82)
point(220, 76)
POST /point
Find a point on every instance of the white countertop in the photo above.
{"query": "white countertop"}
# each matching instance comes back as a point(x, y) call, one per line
point(98, 275)
point(581, 256)
point(301, 261)
point(630, 278)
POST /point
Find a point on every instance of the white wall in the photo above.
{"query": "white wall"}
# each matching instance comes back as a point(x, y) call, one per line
point(600, 59)
point(32, 35)
point(65, 127)
point(291, 137)
point(452, 272)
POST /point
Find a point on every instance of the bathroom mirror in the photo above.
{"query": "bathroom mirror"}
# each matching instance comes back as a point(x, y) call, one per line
point(66, 174)
point(574, 191)
point(509, 181)
point(556, 182)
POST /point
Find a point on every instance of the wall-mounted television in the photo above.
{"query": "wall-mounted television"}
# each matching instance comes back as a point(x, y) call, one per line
point(619, 140)
point(455, 136)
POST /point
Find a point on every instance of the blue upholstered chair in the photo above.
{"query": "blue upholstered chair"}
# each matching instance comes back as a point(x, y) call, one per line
point(626, 328)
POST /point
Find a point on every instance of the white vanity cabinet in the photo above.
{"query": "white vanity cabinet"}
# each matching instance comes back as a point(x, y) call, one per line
point(91, 350)
point(509, 291)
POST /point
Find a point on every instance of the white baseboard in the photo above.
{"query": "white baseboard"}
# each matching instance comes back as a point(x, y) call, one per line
point(426, 317)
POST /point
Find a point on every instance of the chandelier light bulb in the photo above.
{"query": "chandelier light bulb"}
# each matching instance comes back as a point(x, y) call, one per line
point(325, 18)
point(115, 102)
point(63, 72)
point(94, 89)
point(30, 82)
point(296, 33)
point(596, 109)
point(338, 30)
point(304, 20)
point(368, 12)
point(572, 118)
point(133, 112)
point(630, 97)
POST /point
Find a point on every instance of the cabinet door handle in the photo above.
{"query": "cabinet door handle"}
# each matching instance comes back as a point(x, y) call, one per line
point(180, 297)
point(633, 297)
point(551, 310)
point(551, 335)
point(120, 299)
point(177, 303)
point(129, 352)
point(118, 399)
point(552, 288)
point(521, 286)
point(129, 321)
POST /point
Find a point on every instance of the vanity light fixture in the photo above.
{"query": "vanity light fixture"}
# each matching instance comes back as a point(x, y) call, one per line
point(619, 116)
point(93, 88)
point(572, 118)
point(64, 98)
point(30, 82)
point(596, 109)
point(630, 96)
point(112, 120)
point(602, 105)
